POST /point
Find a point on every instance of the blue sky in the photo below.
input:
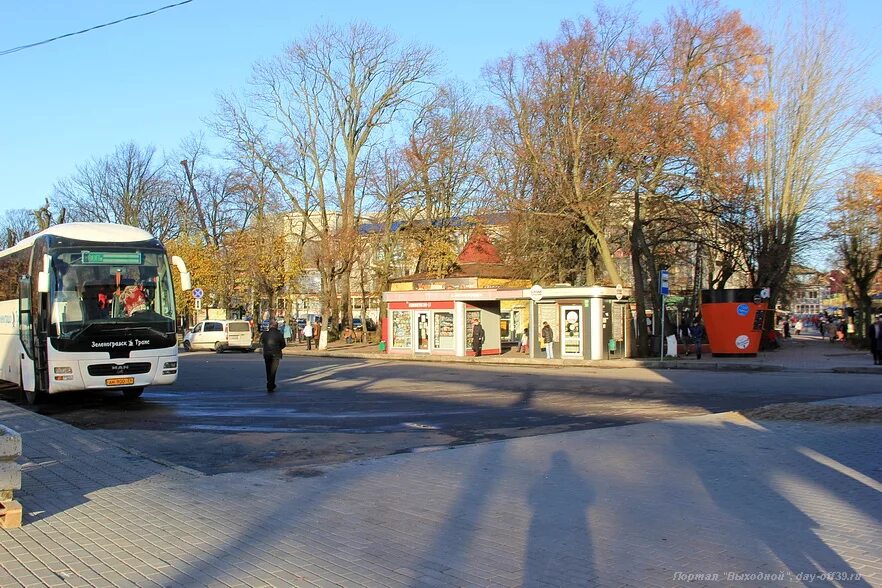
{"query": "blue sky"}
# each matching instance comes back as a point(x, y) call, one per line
point(153, 80)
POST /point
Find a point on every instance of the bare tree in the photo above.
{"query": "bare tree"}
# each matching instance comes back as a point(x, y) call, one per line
point(215, 202)
point(18, 224)
point(129, 187)
point(446, 154)
point(310, 117)
point(813, 81)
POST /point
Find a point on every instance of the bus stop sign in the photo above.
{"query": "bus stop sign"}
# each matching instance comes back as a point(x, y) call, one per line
point(663, 282)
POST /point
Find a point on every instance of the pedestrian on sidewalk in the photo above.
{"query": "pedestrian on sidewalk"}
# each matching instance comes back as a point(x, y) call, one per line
point(525, 341)
point(307, 334)
point(831, 331)
point(548, 340)
point(876, 340)
point(697, 333)
point(272, 342)
point(477, 337)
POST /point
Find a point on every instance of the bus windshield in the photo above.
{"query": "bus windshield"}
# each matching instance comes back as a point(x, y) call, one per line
point(110, 285)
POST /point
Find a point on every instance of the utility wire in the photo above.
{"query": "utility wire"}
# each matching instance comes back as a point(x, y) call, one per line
point(107, 24)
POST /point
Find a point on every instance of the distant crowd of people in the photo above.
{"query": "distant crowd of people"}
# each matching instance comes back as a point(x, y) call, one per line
point(309, 330)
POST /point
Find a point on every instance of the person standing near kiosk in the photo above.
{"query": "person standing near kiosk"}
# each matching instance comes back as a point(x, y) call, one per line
point(697, 332)
point(548, 340)
point(477, 337)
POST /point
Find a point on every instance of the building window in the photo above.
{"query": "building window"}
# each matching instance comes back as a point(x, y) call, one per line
point(402, 336)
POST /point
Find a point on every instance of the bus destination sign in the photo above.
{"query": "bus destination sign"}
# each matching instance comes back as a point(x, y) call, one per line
point(112, 257)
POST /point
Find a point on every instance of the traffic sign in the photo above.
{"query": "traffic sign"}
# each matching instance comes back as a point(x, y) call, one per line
point(620, 292)
point(536, 293)
point(663, 282)
point(197, 293)
point(197, 304)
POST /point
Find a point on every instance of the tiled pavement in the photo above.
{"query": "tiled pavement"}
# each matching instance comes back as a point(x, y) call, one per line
point(714, 500)
point(807, 352)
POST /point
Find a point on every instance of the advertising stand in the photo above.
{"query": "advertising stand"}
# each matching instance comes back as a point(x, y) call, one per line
point(733, 320)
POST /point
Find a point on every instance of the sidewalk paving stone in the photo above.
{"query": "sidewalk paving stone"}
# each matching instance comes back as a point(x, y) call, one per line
point(712, 495)
point(710, 500)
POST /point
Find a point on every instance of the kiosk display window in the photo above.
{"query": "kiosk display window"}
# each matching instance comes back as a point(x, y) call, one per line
point(443, 330)
point(572, 331)
point(471, 315)
point(422, 331)
point(402, 335)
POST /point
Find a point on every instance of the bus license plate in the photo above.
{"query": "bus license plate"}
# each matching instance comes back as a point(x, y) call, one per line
point(119, 381)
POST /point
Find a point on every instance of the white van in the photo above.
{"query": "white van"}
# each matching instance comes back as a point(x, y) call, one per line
point(220, 336)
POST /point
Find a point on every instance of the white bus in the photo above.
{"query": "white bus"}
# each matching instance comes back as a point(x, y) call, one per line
point(88, 306)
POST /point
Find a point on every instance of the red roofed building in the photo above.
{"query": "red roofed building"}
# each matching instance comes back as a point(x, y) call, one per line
point(479, 265)
point(479, 249)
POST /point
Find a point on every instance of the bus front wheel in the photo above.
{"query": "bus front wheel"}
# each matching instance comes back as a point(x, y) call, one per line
point(133, 393)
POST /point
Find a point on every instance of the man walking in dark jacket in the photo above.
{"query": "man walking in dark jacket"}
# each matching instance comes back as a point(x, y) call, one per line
point(272, 341)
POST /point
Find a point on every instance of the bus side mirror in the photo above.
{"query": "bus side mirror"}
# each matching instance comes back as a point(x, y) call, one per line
point(182, 269)
point(43, 276)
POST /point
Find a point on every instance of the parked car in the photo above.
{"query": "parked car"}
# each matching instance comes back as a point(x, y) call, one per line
point(220, 336)
point(369, 323)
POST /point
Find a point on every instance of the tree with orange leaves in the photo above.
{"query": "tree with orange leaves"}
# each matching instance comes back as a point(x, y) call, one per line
point(857, 232)
point(698, 105)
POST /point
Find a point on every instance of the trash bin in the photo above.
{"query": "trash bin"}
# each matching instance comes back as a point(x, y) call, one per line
point(733, 321)
point(382, 346)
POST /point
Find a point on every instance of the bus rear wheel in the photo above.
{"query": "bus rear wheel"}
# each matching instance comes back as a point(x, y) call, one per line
point(133, 393)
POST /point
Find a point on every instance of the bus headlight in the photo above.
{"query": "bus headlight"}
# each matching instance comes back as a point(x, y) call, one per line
point(63, 370)
point(169, 364)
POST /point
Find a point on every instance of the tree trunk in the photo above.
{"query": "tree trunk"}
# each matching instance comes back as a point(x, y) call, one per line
point(639, 280)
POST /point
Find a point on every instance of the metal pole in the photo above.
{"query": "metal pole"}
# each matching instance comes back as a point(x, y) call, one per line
point(661, 333)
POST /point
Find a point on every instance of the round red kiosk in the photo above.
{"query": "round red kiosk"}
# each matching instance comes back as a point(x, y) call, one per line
point(733, 320)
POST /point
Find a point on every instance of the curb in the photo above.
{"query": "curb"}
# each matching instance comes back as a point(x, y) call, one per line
point(604, 364)
point(652, 364)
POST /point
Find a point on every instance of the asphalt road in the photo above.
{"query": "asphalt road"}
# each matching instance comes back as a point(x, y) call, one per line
point(219, 418)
